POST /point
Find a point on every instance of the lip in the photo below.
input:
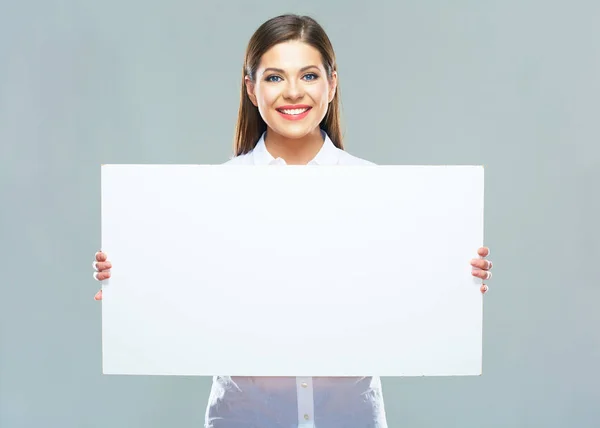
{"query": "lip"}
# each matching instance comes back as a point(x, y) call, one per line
point(292, 107)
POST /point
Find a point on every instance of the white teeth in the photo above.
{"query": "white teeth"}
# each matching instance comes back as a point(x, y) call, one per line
point(294, 111)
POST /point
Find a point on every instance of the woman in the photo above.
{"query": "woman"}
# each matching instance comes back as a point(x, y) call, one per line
point(289, 114)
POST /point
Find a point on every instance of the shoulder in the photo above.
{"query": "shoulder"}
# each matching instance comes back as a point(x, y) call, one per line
point(346, 158)
point(245, 159)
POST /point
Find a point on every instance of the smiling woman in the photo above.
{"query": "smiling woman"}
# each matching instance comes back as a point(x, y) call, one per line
point(289, 114)
point(290, 78)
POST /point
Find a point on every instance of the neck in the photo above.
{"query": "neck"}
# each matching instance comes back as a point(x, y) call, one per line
point(294, 151)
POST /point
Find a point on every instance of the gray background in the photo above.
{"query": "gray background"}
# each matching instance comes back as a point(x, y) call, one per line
point(513, 85)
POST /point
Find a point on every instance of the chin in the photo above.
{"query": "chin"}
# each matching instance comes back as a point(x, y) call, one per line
point(294, 131)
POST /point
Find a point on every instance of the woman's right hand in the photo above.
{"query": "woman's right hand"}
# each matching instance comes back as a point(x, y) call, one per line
point(101, 270)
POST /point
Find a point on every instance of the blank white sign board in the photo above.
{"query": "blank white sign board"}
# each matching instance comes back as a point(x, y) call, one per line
point(292, 270)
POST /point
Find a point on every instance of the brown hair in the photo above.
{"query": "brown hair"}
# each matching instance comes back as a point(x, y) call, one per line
point(250, 125)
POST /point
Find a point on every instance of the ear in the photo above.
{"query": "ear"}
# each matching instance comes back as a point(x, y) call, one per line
point(332, 85)
point(250, 90)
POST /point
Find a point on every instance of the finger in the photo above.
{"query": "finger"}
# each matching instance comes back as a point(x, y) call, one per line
point(483, 274)
point(101, 276)
point(98, 295)
point(481, 264)
point(102, 266)
point(484, 288)
point(100, 256)
point(483, 251)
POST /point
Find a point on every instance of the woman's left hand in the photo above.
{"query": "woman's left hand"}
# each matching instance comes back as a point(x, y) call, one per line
point(481, 267)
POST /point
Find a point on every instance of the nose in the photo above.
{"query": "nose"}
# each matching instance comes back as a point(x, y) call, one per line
point(293, 90)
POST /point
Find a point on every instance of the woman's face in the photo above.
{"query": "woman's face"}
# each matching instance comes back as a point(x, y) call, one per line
point(291, 89)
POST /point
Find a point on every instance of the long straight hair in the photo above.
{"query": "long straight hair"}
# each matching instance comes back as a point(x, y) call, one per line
point(250, 125)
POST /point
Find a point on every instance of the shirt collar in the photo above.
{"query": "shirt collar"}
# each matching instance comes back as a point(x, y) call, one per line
point(328, 155)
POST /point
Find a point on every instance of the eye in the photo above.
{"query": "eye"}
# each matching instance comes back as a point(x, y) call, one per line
point(273, 78)
point(311, 76)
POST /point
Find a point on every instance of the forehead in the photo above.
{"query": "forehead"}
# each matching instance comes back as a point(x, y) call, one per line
point(291, 55)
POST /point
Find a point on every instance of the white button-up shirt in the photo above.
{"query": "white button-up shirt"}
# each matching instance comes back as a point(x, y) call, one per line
point(301, 402)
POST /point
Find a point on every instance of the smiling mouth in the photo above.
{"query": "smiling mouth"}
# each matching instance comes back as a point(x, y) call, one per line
point(293, 111)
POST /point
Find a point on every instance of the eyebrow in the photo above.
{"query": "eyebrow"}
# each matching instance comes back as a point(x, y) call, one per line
point(279, 70)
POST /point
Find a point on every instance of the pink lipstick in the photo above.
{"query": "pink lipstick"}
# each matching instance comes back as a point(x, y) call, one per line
point(294, 112)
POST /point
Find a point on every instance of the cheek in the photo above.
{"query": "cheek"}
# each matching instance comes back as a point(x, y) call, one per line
point(320, 94)
point(266, 96)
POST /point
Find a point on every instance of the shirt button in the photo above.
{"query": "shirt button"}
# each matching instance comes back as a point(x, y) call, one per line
point(304, 384)
point(306, 417)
